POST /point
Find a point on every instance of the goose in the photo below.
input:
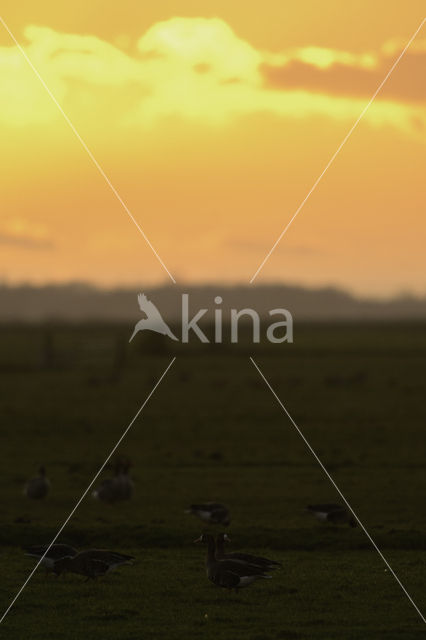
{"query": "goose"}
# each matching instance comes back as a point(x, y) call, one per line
point(92, 563)
point(258, 561)
point(229, 574)
point(211, 513)
point(124, 484)
point(117, 488)
point(38, 487)
point(56, 552)
point(107, 491)
point(334, 513)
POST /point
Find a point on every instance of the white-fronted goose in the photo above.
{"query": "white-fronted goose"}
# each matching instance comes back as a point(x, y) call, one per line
point(38, 487)
point(257, 561)
point(56, 552)
point(117, 488)
point(211, 513)
point(92, 563)
point(229, 574)
point(107, 491)
point(334, 513)
point(124, 484)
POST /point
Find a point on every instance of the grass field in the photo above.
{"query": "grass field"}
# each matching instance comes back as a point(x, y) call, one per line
point(213, 431)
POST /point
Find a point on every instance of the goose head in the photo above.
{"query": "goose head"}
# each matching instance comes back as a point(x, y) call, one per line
point(205, 538)
point(208, 539)
point(223, 537)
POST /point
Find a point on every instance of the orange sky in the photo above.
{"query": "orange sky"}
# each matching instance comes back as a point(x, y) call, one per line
point(213, 125)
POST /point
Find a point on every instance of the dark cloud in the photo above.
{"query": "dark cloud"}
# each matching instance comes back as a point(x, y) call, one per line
point(202, 67)
point(407, 83)
point(233, 80)
point(25, 242)
point(151, 55)
point(263, 245)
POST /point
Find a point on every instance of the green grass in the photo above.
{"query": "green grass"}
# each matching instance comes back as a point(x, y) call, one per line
point(214, 431)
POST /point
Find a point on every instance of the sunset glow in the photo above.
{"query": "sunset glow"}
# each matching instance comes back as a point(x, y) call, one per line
point(213, 138)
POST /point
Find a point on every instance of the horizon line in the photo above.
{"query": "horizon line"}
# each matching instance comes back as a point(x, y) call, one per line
point(209, 284)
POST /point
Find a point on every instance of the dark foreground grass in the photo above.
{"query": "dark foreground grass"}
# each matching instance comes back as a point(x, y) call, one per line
point(214, 431)
point(165, 595)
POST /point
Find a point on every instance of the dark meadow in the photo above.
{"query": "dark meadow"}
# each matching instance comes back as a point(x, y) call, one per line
point(213, 431)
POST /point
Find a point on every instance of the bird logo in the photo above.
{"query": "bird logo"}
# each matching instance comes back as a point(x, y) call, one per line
point(153, 320)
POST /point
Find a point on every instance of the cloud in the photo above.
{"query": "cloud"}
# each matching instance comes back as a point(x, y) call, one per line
point(343, 78)
point(198, 68)
point(263, 244)
point(25, 234)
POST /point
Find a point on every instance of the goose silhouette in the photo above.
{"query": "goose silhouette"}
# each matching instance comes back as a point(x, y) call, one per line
point(153, 320)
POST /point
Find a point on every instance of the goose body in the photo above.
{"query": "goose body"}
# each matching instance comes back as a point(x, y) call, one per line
point(124, 485)
point(229, 574)
point(334, 513)
point(211, 513)
point(246, 558)
point(116, 489)
point(92, 563)
point(107, 491)
point(56, 552)
point(38, 487)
